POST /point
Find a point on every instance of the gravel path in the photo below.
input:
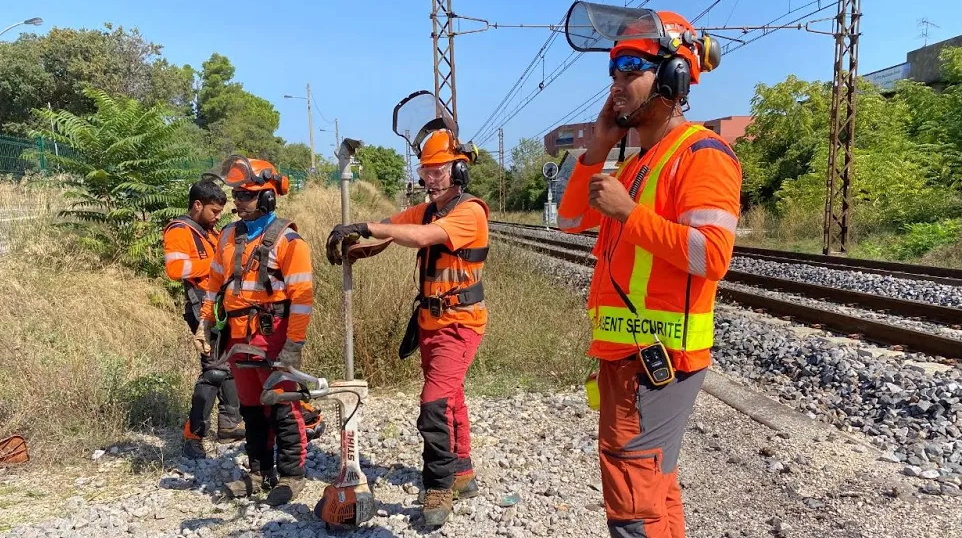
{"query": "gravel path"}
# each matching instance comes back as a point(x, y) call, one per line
point(909, 405)
point(739, 479)
point(537, 461)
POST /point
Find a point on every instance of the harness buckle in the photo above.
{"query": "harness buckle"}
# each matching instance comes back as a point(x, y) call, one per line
point(435, 305)
point(265, 322)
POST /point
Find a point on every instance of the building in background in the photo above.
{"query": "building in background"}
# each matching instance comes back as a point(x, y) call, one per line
point(921, 65)
point(578, 135)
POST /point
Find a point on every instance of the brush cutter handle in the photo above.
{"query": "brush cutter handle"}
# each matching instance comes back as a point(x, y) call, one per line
point(272, 396)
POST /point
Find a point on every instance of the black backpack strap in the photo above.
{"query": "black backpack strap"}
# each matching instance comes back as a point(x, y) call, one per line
point(423, 256)
point(273, 231)
point(200, 234)
point(240, 244)
point(435, 251)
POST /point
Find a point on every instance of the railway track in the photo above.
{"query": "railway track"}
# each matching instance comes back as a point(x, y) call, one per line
point(575, 251)
point(951, 277)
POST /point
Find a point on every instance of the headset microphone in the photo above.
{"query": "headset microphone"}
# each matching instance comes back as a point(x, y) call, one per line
point(624, 120)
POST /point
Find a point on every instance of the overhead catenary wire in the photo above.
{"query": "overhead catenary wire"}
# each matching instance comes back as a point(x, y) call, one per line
point(524, 75)
point(771, 26)
point(488, 130)
point(581, 108)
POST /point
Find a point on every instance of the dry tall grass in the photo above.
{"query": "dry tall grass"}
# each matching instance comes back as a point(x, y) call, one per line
point(95, 351)
point(521, 217)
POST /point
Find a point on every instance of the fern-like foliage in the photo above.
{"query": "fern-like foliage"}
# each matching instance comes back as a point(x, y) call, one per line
point(126, 164)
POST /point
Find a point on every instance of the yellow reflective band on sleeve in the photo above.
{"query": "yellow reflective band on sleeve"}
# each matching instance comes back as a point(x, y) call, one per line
point(641, 270)
point(619, 326)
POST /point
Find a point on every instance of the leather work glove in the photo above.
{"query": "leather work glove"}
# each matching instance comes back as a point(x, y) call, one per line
point(203, 338)
point(344, 234)
point(290, 355)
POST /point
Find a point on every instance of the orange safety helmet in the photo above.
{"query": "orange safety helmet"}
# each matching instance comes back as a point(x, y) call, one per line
point(680, 39)
point(441, 147)
point(253, 175)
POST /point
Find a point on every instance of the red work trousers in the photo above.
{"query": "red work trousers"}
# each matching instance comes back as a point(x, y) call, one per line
point(446, 355)
point(282, 423)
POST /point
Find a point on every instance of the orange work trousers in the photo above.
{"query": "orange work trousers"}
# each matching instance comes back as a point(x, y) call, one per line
point(640, 430)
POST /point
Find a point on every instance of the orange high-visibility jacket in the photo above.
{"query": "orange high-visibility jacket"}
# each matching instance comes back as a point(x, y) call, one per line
point(289, 286)
point(455, 266)
point(188, 251)
point(670, 253)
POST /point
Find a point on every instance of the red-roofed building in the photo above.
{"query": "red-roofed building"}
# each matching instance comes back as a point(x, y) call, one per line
point(579, 135)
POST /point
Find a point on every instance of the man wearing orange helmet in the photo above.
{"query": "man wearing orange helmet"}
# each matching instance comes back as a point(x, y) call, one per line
point(451, 235)
point(261, 281)
point(189, 244)
point(667, 229)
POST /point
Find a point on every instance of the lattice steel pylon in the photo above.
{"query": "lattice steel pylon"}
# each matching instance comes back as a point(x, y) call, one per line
point(444, 84)
point(842, 128)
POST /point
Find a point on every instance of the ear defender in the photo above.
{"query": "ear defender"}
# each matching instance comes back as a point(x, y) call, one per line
point(673, 79)
point(710, 53)
point(459, 173)
point(267, 200)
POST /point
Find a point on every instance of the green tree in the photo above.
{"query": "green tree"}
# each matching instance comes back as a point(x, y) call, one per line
point(486, 178)
point(55, 68)
point(127, 175)
point(382, 166)
point(238, 121)
point(294, 156)
point(527, 188)
point(906, 150)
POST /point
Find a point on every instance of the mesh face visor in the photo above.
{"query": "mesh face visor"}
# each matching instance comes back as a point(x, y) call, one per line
point(418, 115)
point(596, 27)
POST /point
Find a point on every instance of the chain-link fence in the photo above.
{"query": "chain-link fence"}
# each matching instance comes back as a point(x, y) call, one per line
point(20, 156)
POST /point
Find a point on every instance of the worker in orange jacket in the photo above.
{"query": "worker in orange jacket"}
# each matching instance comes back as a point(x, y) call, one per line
point(451, 235)
point(189, 244)
point(667, 222)
point(261, 281)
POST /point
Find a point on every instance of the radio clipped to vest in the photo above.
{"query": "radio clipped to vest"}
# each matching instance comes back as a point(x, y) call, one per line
point(657, 364)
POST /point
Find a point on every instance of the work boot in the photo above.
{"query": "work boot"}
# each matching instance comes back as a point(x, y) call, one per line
point(194, 449)
point(245, 487)
point(438, 504)
point(465, 487)
point(231, 434)
point(285, 491)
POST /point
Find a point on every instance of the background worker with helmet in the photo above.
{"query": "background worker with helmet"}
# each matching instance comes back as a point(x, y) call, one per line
point(451, 235)
point(667, 221)
point(261, 280)
point(189, 244)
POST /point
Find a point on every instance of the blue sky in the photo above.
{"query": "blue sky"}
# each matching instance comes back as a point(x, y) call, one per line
point(363, 56)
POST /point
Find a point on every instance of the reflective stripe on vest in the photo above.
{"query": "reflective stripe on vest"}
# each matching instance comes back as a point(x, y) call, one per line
point(676, 330)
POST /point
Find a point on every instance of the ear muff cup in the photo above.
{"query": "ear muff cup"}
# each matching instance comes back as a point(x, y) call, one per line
point(283, 184)
point(267, 200)
point(710, 53)
point(459, 173)
point(673, 79)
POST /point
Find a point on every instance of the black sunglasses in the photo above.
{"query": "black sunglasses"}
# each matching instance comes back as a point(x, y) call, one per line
point(243, 196)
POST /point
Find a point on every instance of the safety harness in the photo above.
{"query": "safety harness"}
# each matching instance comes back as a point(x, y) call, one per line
point(427, 266)
point(428, 260)
point(261, 257)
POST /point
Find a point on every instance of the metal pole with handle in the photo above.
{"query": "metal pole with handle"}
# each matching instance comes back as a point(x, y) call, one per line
point(344, 154)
